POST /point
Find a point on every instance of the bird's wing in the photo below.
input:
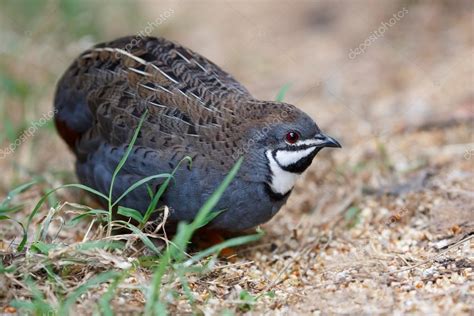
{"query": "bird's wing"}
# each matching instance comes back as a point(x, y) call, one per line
point(190, 101)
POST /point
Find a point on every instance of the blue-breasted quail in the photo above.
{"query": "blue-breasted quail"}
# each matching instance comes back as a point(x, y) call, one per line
point(194, 109)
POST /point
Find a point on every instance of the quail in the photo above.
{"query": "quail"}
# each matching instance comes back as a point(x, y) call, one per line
point(194, 109)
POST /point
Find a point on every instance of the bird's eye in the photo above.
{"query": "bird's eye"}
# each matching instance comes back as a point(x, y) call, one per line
point(292, 137)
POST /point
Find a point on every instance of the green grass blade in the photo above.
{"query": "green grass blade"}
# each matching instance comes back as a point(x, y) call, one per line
point(120, 166)
point(140, 235)
point(5, 204)
point(184, 282)
point(160, 192)
point(92, 213)
point(22, 188)
point(155, 290)
point(130, 212)
point(139, 183)
point(204, 211)
point(185, 231)
point(4, 269)
point(45, 197)
point(283, 90)
point(24, 237)
point(99, 244)
point(42, 247)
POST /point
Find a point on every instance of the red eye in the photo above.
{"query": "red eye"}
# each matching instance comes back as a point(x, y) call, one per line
point(292, 137)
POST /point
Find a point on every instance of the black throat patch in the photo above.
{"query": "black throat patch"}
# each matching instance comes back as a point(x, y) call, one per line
point(302, 164)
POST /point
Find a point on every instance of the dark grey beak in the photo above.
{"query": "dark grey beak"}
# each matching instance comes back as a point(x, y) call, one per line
point(326, 141)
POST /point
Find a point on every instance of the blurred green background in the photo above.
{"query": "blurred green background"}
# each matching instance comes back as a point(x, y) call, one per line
point(420, 69)
point(35, 36)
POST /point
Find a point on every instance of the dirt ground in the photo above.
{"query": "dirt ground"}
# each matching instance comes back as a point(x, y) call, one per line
point(383, 226)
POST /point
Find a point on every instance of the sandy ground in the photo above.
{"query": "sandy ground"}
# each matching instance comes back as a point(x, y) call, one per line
point(383, 226)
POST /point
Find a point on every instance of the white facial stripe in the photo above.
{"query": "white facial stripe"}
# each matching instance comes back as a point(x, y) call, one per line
point(309, 142)
point(282, 181)
point(287, 157)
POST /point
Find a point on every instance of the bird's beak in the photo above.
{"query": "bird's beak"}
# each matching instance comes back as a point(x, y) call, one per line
point(326, 141)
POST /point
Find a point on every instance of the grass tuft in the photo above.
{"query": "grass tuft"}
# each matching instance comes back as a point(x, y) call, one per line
point(56, 260)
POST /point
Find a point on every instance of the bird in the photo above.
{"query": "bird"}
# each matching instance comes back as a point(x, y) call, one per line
point(190, 107)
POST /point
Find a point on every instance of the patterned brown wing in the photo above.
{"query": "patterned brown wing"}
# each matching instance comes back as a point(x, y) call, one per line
point(191, 101)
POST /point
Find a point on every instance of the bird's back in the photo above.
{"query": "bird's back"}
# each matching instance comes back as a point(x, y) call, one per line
point(190, 100)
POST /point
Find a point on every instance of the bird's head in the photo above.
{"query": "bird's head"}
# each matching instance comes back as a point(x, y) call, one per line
point(289, 140)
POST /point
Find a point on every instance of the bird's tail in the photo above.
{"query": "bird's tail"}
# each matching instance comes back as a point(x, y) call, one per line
point(72, 114)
